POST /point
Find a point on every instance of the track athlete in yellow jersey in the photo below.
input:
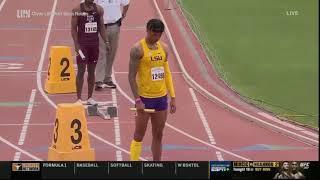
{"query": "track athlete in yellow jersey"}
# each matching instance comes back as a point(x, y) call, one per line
point(150, 80)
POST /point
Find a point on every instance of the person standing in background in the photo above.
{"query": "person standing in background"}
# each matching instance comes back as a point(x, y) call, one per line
point(115, 12)
point(85, 27)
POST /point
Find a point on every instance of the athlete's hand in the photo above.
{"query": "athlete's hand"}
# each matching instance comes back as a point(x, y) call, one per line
point(76, 48)
point(139, 105)
point(108, 46)
point(173, 106)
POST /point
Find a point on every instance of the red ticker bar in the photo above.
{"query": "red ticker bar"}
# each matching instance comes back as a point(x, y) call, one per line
point(159, 170)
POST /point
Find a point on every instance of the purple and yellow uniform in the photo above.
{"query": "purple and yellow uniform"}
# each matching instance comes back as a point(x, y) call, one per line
point(154, 77)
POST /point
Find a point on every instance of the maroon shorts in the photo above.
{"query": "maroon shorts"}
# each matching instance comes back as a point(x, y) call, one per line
point(91, 54)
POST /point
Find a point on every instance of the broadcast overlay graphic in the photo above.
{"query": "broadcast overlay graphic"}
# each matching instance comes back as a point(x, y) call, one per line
point(163, 170)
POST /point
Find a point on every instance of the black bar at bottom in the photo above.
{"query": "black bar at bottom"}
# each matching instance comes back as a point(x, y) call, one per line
point(159, 170)
point(192, 170)
point(58, 170)
point(5, 170)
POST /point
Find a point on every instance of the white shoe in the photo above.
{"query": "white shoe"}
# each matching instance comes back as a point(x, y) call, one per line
point(91, 101)
point(79, 101)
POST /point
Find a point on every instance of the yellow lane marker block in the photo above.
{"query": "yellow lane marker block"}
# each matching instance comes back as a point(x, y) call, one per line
point(70, 135)
point(61, 75)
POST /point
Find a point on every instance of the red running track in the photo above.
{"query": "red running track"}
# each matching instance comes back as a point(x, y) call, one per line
point(202, 129)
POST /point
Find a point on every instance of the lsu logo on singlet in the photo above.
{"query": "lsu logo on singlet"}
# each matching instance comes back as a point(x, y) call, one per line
point(157, 57)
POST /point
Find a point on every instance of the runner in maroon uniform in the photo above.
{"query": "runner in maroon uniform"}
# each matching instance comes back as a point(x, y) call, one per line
point(85, 26)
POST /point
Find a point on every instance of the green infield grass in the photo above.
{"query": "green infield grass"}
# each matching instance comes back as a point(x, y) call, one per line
point(266, 50)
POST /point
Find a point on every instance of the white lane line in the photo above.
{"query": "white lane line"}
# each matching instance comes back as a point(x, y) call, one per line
point(43, 54)
point(120, 72)
point(116, 126)
point(51, 124)
point(202, 116)
point(180, 131)
point(16, 44)
point(214, 98)
point(72, 95)
point(57, 29)
point(289, 125)
point(39, 70)
point(219, 156)
point(208, 144)
point(125, 72)
point(2, 4)
point(17, 156)
point(279, 121)
point(22, 71)
point(311, 134)
point(27, 118)
point(119, 155)
point(39, 85)
point(25, 124)
point(204, 121)
point(19, 149)
point(113, 145)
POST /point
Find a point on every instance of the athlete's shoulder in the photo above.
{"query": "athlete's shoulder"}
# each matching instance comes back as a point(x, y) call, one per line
point(163, 44)
point(77, 8)
point(136, 50)
point(99, 9)
point(165, 47)
point(137, 45)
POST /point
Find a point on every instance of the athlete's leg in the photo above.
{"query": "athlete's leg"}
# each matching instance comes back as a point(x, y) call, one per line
point(79, 79)
point(102, 59)
point(113, 36)
point(91, 78)
point(158, 121)
point(141, 124)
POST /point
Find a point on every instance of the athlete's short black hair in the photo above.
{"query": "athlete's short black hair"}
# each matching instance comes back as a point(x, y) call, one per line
point(155, 25)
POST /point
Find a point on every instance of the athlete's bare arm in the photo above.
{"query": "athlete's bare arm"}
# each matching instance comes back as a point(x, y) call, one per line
point(101, 26)
point(74, 27)
point(136, 54)
point(169, 82)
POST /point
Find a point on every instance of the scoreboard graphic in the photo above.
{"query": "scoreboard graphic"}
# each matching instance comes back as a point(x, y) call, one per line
point(160, 170)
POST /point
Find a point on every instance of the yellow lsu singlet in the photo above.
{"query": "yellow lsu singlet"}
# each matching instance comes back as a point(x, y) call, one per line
point(151, 72)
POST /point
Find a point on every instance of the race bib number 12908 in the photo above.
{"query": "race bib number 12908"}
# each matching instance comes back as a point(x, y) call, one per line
point(157, 73)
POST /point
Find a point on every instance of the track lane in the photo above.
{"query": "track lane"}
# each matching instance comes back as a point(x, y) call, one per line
point(176, 145)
